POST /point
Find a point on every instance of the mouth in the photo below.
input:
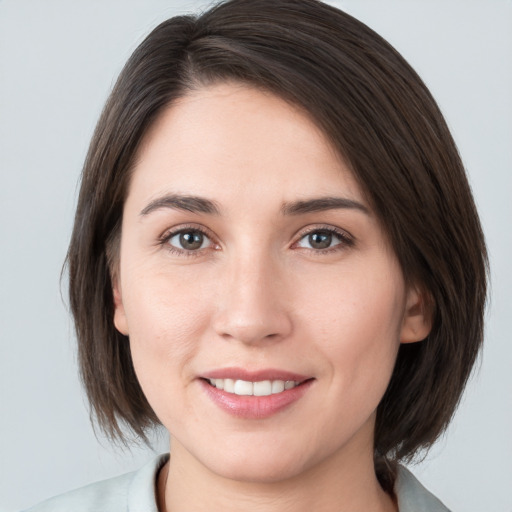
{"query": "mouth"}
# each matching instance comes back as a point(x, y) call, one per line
point(254, 395)
point(259, 388)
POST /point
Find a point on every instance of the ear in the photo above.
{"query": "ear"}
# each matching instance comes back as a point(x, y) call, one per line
point(417, 321)
point(120, 320)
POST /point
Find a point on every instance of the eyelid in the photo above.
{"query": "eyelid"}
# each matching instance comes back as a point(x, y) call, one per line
point(169, 233)
point(347, 239)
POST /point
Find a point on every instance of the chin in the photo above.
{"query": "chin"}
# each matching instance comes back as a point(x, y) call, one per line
point(263, 463)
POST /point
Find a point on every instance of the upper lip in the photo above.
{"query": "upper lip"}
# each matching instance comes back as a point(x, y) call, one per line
point(253, 375)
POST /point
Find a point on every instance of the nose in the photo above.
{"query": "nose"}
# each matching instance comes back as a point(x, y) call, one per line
point(253, 306)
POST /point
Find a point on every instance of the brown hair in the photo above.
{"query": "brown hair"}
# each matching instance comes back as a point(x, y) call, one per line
point(386, 125)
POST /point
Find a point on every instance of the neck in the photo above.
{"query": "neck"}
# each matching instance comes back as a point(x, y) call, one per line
point(185, 484)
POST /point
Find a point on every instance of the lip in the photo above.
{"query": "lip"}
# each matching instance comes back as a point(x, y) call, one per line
point(254, 407)
point(255, 375)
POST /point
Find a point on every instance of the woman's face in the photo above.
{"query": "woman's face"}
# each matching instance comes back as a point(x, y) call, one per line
point(251, 261)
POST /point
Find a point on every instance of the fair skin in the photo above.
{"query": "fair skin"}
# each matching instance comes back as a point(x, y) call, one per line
point(256, 280)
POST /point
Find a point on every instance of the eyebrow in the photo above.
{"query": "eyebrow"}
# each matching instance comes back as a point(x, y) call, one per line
point(196, 204)
point(187, 203)
point(322, 204)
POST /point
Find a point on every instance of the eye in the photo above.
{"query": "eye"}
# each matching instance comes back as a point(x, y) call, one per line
point(324, 239)
point(189, 240)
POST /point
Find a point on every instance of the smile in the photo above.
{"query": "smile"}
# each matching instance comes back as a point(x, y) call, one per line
point(248, 388)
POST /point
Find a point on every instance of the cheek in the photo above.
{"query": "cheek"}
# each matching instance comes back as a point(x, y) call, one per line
point(356, 317)
point(166, 324)
point(363, 299)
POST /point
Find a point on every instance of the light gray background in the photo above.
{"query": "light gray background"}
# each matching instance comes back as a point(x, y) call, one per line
point(58, 60)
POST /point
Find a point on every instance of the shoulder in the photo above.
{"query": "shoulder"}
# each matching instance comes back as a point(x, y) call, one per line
point(105, 495)
point(131, 492)
point(412, 496)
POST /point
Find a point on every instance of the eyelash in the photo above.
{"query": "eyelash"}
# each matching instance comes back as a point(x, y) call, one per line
point(168, 235)
point(345, 240)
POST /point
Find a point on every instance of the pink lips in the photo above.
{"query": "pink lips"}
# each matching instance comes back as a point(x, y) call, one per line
point(253, 376)
point(254, 407)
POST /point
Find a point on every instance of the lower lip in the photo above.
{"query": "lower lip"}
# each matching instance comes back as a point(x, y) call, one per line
point(255, 407)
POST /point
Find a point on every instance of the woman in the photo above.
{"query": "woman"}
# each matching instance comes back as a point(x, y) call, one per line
point(276, 255)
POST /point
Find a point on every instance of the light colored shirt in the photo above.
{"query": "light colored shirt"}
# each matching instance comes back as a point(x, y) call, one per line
point(135, 492)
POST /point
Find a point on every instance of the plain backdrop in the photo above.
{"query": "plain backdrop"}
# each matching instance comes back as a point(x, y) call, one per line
point(58, 61)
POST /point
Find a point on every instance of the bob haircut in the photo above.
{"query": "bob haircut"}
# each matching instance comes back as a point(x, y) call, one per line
point(384, 123)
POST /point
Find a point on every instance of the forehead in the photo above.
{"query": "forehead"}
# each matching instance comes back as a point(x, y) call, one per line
point(235, 141)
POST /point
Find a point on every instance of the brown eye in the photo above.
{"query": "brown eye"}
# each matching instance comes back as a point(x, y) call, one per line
point(320, 239)
point(323, 239)
point(189, 240)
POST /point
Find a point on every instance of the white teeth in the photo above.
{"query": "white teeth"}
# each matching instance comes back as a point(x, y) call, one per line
point(242, 387)
point(229, 385)
point(247, 388)
point(262, 388)
point(277, 386)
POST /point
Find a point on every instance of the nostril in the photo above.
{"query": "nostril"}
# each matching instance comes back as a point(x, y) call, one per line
point(251, 318)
